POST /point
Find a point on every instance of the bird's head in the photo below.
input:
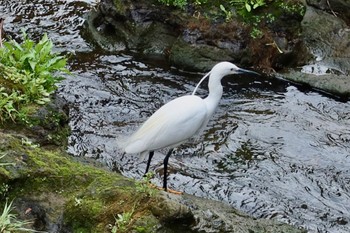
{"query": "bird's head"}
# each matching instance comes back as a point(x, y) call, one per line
point(225, 68)
point(222, 69)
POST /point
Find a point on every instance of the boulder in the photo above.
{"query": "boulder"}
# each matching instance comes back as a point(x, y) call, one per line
point(339, 8)
point(326, 37)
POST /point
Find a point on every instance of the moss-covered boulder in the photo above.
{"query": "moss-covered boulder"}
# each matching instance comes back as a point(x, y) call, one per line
point(60, 193)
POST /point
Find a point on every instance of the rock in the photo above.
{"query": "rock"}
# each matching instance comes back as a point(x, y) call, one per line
point(188, 42)
point(329, 70)
point(59, 194)
point(330, 83)
point(328, 43)
point(50, 123)
point(135, 26)
point(214, 216)
point(336, 7)
point(194, 57)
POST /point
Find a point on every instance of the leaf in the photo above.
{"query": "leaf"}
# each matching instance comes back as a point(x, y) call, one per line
point(46, 100)
point(32, 64)
point(222, 8)
point(59, 65)
point(45, 50)
point(248, 7)
point(40, 102)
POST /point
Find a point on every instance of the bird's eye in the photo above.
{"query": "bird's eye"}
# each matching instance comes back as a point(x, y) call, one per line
point(231, 69)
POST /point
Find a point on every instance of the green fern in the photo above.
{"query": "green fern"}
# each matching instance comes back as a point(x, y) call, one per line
point(28, 75)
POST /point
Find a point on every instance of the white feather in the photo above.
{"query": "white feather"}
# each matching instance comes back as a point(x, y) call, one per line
point(159, 131)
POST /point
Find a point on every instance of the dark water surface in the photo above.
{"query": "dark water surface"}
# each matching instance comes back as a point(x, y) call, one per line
point(271, 150)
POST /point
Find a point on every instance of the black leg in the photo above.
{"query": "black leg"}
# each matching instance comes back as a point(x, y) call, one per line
point(166, 159)
point(151, 153)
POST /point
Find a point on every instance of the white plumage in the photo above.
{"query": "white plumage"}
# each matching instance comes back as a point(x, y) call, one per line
point(187, 113)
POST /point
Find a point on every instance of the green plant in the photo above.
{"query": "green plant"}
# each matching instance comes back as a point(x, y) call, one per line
point(9, 222)
point(256, 33)
point(228, 14)
point(177, 3)
point(200, 2)
point(122, 222)
point(78, 201)
point(29, 143)
point(4, 188)
point(145, 186)
point(292, 8)
point(248, 5)
point(5, 164)
point(28, 75)
point(253, 4)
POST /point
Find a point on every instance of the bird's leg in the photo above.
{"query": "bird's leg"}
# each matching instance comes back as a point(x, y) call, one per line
point(166, 159)
point(150, 156)
point(165, 186)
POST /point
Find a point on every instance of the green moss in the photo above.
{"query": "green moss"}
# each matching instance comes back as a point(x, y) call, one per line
point(88, 197)
point(83, 214)
point(4, 174)
point(119, 6)
point(145, 224)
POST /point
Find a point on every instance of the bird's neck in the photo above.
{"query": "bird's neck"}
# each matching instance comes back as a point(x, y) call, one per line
point(215, 93)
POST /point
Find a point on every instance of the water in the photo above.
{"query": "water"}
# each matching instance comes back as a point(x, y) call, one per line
point(272, 150)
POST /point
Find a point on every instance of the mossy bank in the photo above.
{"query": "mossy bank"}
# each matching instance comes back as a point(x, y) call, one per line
point(61, 194)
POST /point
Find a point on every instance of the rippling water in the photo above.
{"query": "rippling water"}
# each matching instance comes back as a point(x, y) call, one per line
point(271, 150)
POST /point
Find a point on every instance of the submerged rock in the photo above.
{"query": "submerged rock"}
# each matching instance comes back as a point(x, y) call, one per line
point(330, 83)
point(60, 194)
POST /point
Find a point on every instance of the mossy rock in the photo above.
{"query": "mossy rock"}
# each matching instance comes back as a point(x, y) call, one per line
point(59, 193)
point(82, 198)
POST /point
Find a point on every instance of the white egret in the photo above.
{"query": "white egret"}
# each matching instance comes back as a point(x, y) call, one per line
point(181, 118)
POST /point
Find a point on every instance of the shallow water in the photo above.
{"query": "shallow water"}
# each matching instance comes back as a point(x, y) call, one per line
point(272, 149)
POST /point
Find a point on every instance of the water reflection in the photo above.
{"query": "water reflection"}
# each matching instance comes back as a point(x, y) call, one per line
point(271, 150)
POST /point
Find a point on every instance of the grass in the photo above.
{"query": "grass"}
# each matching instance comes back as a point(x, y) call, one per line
point(5, 164)
point(9, 222)
point(122, 222)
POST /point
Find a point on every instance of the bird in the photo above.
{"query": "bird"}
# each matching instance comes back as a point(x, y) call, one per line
point(181, 118)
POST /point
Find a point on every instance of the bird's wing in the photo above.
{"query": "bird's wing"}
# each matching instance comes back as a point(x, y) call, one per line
point(173, 123)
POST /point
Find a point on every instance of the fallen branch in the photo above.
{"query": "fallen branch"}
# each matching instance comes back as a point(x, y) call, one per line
point(329, 5)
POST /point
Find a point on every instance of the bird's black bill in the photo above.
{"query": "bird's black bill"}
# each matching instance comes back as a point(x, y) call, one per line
point(242, 71)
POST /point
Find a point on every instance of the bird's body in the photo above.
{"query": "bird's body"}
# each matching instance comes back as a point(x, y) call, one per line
point(158, 131)
point(180, 119)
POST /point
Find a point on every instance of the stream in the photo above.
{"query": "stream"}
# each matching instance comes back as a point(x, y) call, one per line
point(272, 149)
